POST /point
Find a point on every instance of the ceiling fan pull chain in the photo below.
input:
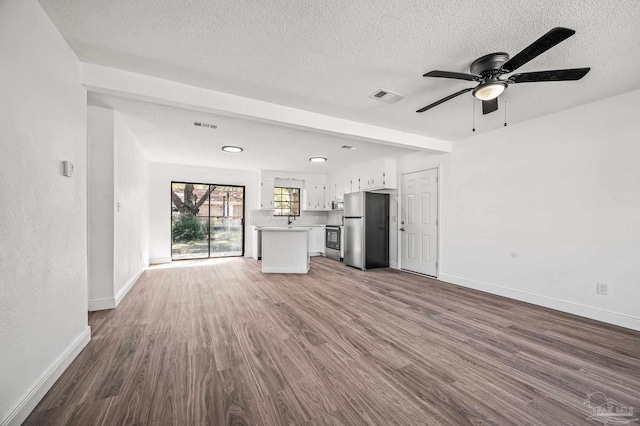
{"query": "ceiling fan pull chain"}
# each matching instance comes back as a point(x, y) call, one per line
point(505, 110)
point(473, 128)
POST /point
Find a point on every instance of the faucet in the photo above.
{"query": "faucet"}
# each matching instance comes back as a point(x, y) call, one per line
point(290, 219)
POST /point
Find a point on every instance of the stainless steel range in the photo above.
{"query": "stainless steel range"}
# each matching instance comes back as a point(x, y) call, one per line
point(332, 242)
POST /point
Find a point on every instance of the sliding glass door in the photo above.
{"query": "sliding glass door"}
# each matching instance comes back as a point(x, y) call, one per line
point(227, 221)
point(207, 220)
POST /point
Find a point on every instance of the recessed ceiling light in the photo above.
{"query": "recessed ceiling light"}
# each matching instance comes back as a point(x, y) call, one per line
point(348, 147)
point(230, 148)
point(317, 159)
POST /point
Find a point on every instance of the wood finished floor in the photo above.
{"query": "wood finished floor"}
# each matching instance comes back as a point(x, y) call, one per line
point(219, 343)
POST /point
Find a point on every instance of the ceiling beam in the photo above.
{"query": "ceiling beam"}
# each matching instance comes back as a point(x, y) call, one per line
point(112, 81)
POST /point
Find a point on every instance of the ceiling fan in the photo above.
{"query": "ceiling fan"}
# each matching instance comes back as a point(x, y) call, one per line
point(488, 69)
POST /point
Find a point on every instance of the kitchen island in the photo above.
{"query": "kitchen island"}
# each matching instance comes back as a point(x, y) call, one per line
point(285, 249)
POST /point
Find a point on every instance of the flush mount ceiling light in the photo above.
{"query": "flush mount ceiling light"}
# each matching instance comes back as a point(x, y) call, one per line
point(229, 148)
point(488, 91)
point(317, 159)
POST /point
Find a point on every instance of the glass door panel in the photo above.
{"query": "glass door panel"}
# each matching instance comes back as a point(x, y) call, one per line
point(189, 221)
point(227, 221)
point(206, 220)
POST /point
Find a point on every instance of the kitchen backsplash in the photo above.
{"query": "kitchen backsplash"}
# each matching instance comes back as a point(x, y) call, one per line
point(335, 217)
point(266, 218)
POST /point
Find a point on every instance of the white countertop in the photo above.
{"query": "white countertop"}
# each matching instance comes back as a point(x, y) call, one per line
point(284, 228)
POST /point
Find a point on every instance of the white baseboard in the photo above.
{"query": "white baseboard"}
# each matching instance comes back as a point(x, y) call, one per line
point(102, 304)
point(112, 302)
point(159, 260)
point(609, 317)
point(124, 290)
point(393, 265)
point(28, 402)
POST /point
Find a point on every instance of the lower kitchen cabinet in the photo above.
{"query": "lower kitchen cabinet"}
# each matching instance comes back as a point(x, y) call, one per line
point(316, 241)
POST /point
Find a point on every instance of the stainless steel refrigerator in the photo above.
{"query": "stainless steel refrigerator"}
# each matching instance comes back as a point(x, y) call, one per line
point(366, 230)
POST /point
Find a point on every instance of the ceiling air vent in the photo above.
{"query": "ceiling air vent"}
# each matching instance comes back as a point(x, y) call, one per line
point(386, 96)
point(205, 125)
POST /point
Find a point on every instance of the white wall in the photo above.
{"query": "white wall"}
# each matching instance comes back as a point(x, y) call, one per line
point(100, 122)
point(160, 178)
point(542, 210)
point(43, 227)
point(131, 227)
point(118, 208)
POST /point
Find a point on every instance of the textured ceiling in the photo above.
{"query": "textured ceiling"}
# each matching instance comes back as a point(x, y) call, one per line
point(329, 56)
point(167, 135)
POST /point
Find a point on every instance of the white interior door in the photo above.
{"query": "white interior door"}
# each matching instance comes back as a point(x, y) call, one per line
point(419, 222)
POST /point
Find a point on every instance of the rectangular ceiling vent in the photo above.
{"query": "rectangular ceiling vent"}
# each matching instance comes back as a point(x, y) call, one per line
point(205, 125)
point(386, 96)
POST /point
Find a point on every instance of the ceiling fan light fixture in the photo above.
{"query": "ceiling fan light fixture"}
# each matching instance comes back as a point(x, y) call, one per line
point(489, 91)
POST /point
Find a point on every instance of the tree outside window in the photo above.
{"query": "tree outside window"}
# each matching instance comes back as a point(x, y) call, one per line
point(286, 201)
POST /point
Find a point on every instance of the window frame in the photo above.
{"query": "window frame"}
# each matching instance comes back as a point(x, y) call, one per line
point(282, 210)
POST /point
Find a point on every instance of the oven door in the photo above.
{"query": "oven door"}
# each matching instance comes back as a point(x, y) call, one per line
point(332, 238)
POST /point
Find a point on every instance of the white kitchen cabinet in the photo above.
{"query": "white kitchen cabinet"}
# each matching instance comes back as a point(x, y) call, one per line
point(343, 188)
point(378, 180)
point(374, 180)
point(329, 195)
point(266, 195)
point(354, 185)
point(316, 241)
point(364, 181)
point(314, 197)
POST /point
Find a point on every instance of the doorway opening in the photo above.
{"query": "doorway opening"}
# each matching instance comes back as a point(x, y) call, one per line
point(207, 220)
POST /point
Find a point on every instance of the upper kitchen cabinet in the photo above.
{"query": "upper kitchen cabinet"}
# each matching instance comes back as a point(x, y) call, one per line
point(373, 180)
point(329, 195)
point(342, 188)
point(377, 179)
point(266, 194)
point(314, 197)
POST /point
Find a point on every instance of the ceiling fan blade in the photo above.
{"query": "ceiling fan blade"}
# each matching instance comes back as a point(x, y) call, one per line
point(489, 106)
point(552, 75)
point(444, 99)
point(454, 75)
point(544, 43)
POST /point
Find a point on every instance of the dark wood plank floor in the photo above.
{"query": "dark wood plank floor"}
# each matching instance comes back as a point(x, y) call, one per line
point(217, 342)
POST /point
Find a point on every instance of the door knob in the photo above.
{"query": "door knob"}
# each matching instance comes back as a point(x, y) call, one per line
point(402, 229)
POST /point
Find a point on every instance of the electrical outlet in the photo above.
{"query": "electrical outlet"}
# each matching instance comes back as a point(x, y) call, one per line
point(603, 288)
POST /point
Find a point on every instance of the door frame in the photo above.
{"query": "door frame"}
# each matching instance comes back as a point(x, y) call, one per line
point(437, 167)
point(244, 215)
